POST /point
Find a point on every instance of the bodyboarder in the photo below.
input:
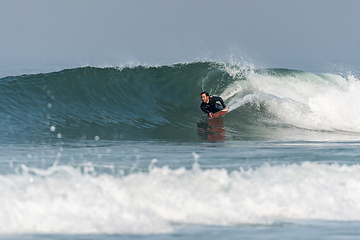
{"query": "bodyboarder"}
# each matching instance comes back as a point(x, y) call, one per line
point(209, 104)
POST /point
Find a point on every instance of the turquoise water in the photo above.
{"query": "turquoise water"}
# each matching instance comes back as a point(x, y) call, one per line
point(120, 153)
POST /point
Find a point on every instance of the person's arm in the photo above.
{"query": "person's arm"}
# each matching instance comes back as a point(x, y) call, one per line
point(220, 100)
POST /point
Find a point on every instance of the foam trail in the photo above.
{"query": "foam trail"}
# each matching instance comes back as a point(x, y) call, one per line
point(238, 102)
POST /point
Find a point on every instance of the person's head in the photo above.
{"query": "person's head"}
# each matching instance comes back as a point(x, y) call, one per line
point(205, 97)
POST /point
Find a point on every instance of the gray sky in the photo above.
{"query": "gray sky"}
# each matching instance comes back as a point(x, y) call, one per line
point(52, 35)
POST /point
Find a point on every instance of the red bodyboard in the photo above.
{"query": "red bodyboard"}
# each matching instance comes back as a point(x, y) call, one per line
point(219, 113)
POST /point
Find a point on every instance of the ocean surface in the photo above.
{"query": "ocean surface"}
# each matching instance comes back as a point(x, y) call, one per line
point(126, 153)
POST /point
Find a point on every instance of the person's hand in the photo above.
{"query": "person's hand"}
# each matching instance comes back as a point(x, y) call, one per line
point(210, 113)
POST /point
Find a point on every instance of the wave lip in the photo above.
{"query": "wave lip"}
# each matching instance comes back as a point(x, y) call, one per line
point(63, 199)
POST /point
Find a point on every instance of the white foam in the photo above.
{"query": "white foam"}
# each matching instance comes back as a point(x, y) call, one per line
point(319, 102)
point(62, 199)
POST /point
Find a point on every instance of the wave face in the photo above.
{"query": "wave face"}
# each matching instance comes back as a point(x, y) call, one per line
point(142, 103)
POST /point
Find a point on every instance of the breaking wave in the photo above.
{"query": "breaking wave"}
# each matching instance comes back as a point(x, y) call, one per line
point(142, 103)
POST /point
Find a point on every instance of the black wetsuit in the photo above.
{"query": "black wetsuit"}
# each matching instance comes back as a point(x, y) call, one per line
point(212, 106)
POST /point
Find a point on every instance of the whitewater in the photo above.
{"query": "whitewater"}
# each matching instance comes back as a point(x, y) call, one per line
point(65, 200)
point(106, 153)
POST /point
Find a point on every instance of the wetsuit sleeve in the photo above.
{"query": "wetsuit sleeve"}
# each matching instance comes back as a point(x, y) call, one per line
point(220, 100)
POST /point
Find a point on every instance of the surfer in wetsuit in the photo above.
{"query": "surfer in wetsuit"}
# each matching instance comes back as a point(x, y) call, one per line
point(209, 104)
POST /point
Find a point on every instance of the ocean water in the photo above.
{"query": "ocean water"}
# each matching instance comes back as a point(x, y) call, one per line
point(126, 153)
